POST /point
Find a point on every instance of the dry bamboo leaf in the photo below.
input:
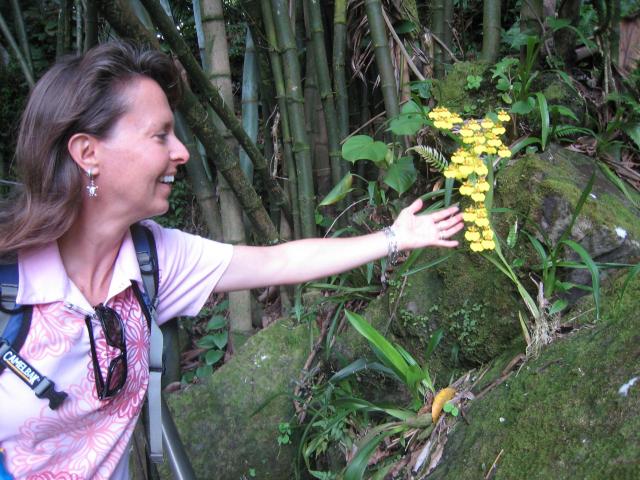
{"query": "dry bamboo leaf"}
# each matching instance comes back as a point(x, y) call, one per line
point(435, 457)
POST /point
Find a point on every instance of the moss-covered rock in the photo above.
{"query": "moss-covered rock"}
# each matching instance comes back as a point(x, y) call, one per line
point(229, 424)
point(542, 191)
point(571, 413)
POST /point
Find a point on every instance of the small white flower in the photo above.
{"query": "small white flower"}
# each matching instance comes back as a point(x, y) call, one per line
point(624, 389)
point(622, 233)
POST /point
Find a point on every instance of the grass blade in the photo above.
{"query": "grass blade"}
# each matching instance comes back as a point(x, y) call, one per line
point(579, 205)
point(593, 269)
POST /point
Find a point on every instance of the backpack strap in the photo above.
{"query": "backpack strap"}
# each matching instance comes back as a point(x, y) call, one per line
point(148, 298)
point(15, 321)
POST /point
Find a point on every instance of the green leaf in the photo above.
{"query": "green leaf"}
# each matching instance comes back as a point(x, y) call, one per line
point(434, 340)
point(204, 371)
point(363, 147)
point(338, 192)
point(213, 356)
point(216, 322)
point(448, 407)
point(522, 143)
point(401, 175)
point(404, 26)
point(558, 306)
point(422, 89)
point(220, 339)
point(563, 111)
point(593, 269)
point(544, 118)
point(506, 98)
point(618, 182)
point(521, 107)
point(358, 464)
point(206, 342)
point(633, 131)
point(389, 355)
point(407, 124)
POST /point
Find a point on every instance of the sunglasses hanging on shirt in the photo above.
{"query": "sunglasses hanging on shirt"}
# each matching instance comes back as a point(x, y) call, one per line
point(113, 329)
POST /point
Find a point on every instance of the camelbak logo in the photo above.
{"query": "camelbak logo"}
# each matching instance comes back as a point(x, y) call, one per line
point(20, 367)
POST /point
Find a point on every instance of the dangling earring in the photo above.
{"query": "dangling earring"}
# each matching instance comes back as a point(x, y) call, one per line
point(92, 188)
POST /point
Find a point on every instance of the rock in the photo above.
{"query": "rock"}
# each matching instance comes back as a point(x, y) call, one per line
point(543, 190)
point(229, 424)
point(565, 414)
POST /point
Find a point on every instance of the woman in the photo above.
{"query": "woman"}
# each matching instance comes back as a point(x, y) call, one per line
point(97, 153)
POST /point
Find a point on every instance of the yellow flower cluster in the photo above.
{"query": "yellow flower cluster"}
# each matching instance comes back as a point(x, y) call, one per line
point(479, 138)
point(444, 119)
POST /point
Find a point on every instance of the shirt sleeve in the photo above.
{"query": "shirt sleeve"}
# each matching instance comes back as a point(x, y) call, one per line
point(189, 268)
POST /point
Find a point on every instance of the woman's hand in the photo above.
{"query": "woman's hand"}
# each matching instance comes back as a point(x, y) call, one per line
point(433, 229)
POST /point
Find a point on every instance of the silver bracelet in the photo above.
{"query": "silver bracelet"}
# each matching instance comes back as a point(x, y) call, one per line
point(392, 245)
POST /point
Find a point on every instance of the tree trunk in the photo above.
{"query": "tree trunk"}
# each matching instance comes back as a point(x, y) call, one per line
point(491, 28)
point(23, 40)
point(295, 109)
point(339, 72)
point(437, 26)
point(4, 28)
point(63, 35)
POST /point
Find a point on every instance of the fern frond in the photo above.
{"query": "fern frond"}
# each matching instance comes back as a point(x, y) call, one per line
point(432, 156)
point(570, 130)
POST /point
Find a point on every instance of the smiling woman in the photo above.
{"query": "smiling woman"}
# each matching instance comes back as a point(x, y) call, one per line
point(96, 154)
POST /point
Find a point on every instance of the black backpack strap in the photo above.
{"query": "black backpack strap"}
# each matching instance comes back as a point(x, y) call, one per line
point(15, 321)
point(147, 255)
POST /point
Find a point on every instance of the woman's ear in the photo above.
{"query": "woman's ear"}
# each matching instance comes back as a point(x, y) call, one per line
point(82, 148)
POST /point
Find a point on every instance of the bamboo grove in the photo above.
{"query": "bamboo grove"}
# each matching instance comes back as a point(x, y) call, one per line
point(315, 72)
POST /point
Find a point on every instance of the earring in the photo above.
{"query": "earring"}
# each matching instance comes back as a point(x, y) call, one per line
point(92, 188)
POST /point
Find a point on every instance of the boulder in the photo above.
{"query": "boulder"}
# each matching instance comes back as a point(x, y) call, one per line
point(230, 423)
point(570, 413)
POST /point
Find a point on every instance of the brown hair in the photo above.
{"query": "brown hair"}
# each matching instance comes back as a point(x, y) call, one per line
point(79, 94)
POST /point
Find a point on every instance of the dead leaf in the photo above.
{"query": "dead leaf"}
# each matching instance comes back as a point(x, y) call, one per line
point(629, 47)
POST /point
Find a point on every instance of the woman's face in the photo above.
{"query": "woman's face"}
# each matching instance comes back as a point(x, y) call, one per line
point(139, 158)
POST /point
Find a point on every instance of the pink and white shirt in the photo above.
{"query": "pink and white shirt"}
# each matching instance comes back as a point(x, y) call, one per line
point(87, 438)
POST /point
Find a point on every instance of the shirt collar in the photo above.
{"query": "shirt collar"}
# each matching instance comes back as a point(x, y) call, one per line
point(43, 278)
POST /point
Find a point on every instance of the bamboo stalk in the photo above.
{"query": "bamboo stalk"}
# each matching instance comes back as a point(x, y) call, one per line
point(324, 85)
point(287, 142)
point(90, 24)
point(295, 109)
point(491, 28)
point(4, 28)
point(23, 40)
point(203, 188)
point(339, 72)
point(383, 57)
point(437, 26)
point(78, 26)
point(211, 95)
point(249, 100)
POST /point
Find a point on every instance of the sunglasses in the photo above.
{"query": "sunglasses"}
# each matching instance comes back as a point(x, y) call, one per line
point(114, 335)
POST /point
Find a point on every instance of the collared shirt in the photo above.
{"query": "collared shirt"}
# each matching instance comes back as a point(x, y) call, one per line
point(86, 437)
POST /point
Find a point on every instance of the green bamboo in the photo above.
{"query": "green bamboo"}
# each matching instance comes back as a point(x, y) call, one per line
point(438, 27)
point(4, 28)
point(21, 31)
point(491, 28)
point(383, 57)
point(447, 26)
point(210, 94)
point(197, 17)
point(90, 24)
point(287, 141)
point(295, 109)
point(120, 16)
point(339, 69)
point(249, 100)
point(324, 85)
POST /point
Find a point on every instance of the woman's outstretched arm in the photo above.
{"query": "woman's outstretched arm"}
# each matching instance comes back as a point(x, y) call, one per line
point(303, 260)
